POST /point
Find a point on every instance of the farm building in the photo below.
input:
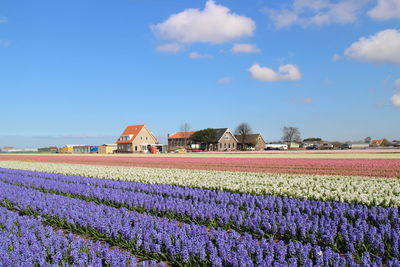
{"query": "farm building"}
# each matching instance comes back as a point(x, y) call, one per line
point(81, 149)
point(136, 138)
point(51, 149)
point(250, 141)
point(68, 149)
point(107, 148)
point(180, 139)
point(224, 140)
point(376, 143)
point(85, 149)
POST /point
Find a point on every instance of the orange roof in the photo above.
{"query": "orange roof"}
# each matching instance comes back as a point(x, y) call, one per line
point(181, 135)
point(131, 130)
point(376, 142)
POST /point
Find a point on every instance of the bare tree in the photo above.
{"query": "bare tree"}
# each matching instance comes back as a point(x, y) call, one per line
point(243, 130)
point(367, 140)
point(290, 134)
point(185, 128)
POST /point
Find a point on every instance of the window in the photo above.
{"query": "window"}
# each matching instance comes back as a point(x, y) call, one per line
point(226, 137)
point(224, 145)
point(220, 145)
point(135, 148)
point(146, 137)
point(229, 145)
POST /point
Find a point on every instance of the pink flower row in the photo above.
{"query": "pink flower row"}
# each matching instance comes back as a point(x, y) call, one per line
point(361, 167)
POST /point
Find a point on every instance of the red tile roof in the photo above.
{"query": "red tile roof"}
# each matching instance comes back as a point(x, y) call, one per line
point(376, 142)
point(131, 130)
point(181, 135)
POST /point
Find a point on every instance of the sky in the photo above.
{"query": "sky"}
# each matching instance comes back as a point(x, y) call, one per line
point(79, 72)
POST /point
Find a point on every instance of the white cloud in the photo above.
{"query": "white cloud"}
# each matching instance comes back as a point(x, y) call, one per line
point(386, 9)
point(3, 19)
point(196, 55)
point(305, 100)
point(336, 57)
point(285, 72)
point(316, 13)
point(215, 24)
point(245, 48)
point(383, 47)
point(283, 18)
point(224, 80)
point(396, 100)
point(169, 48)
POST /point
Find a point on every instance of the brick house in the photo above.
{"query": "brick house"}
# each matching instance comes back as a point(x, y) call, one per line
point(224, 140)
point(251, 141)
point(180, 139)
point(135, 139)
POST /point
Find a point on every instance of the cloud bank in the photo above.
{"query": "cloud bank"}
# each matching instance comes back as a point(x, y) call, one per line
point(386, 9)
point(318, 13)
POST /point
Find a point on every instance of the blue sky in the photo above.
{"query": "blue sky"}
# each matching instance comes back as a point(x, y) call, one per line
point(80, 71)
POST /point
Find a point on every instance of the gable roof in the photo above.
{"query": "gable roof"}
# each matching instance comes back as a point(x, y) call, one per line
point(249, 138)
point(376, 142)
point(181, 135)
point(133, 130)
point(219, 133)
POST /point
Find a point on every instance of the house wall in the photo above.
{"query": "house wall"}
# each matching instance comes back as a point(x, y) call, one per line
point(81, 149)
point(227, 142)
point(260, 144)
point(125, 147)
point(143, 139)
point(176, 142)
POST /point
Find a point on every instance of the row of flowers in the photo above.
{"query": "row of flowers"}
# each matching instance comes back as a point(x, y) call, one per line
point(362, 190)
point(162, 239)
point(340, 226)
point(24, 241)
point(378, 167)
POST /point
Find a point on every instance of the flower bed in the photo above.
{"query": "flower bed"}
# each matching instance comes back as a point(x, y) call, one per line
point(304, 232)
point(363, 190)
point(317, 166)
point(26, 242)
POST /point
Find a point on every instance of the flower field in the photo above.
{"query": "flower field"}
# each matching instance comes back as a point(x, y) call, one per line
point(373, 167)
point(362, 190)
point(91, 215)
